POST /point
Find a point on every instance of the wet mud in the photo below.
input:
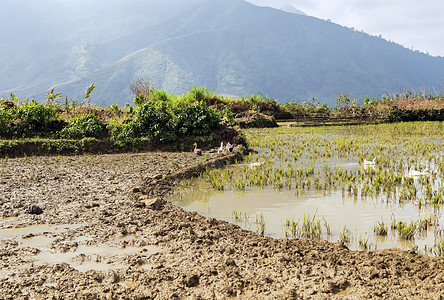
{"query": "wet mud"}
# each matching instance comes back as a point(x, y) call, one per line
point(106, 232)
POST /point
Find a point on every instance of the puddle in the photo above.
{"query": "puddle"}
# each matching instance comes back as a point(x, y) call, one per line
point(5, 273)
point(49, 284)
point(348, 293)
point(39, 242)
point(128, 284)
point(96, 257)
point(8, 222)
point(36, 236)
point(35, 230)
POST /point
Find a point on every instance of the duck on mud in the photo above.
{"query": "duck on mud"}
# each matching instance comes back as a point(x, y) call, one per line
point(197, 151)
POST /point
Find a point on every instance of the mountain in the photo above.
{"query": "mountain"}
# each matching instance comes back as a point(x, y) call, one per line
point(292, 9)
point(236, 48)
point(50, 42)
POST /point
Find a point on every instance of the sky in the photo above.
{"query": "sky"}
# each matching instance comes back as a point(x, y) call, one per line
point(417, 25)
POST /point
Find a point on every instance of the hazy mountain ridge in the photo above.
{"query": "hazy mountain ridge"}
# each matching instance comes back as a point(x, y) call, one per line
point(236, 48)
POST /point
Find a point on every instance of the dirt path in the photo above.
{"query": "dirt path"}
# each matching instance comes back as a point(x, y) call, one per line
point(169, 253)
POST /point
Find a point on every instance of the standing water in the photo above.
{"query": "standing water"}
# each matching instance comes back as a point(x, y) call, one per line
point(319, 183)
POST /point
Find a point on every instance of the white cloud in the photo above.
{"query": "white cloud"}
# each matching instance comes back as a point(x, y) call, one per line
point(411, 23)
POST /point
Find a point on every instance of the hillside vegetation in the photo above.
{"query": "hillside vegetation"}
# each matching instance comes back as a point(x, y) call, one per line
point(157, 120)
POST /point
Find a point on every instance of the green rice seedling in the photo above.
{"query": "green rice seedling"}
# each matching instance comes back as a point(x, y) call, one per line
point(363, 242)
point(437, 198)
point(317, 183)
point(380, 229)
point(240, 183)
point(32, 176)
point(407, 231)
point(288, 183)
point(4, 163)
point(311, 228)
point(260, 222)
point(186, 182)
point(345, 236)
point(327, 227)
point(291, 228)
point(240, 217)
point(217, 183)
point(439, 248)
point(237, 215)
point(439, 243)
point(429, 221)
point(174, 163)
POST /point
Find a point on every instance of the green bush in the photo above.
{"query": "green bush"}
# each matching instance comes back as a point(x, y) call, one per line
point(312, 107)
point(154, 119)
point(194, 118)
point(198, 94)
point(6, 117)
point(87, 125)
point(165, 118)
point(122, 135)
point(37, 114)
point(29, 119)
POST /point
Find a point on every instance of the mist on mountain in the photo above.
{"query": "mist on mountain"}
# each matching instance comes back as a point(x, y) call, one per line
point(230, 46)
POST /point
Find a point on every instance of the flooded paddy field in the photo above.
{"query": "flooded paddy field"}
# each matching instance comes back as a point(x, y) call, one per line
point(371, 187)
point(104, 229)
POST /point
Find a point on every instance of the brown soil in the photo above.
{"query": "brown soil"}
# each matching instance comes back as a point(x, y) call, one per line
point(198, 258)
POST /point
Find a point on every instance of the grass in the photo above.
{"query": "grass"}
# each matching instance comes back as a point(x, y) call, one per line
point(240, 217)
point(345, 236)
point(260, 222)
point(311, 228)
point(380, 229)
point(439, 243)
point(406, 230)
point(363, 242)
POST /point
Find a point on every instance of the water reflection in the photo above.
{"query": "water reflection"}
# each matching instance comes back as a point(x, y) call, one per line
point(277, 206)
point(81, 257)
point(98, 257)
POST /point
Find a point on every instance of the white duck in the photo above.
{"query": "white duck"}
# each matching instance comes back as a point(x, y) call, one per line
point(369, 162)
point(230, 147)
point(415, 173)
point(256, 164)
point(221, 149)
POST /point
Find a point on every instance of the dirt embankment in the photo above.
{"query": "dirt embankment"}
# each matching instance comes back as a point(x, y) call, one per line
point(193, 258)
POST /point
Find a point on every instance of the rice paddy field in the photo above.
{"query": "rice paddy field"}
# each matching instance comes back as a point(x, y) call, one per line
point(368, 186)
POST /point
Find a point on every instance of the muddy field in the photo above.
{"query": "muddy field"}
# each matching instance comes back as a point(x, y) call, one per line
point(154, 250)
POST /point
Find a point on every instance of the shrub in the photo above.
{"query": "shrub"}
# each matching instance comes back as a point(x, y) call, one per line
point(87, 125)
point(30, 119)
point(6, 117)
point(154, 118)
point(166, 118)
point(312, 107)
point(198, 94)
point(37, 114)
point(194, 118)
point(122, 135)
